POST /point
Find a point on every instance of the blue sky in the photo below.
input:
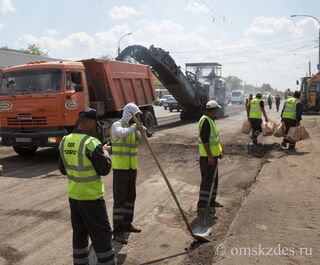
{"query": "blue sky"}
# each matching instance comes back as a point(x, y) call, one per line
point(254, 40)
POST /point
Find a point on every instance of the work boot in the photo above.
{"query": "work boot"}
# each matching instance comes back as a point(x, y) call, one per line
point(121, 237)
point(284, 144)
point(292, 147)
point(131, 229)
point(255, 141)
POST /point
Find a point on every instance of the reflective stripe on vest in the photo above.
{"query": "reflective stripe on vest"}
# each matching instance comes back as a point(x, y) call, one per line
point(125, 151)
point(290, 109)
point(83, 181)
point(255, 109)
point(214, 139)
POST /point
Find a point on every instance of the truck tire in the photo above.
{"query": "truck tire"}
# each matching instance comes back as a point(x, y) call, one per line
point(148, 121)
point(25, 150)
point(171, 109)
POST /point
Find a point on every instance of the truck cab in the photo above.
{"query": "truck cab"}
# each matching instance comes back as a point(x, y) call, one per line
point(38, 103)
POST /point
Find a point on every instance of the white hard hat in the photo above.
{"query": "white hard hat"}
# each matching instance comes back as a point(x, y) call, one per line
point(212, 104)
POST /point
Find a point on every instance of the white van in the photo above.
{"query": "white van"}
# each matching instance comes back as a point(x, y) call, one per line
point(237, 97)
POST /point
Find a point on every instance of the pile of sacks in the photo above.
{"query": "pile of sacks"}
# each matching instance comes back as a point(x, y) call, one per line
point(279, 130)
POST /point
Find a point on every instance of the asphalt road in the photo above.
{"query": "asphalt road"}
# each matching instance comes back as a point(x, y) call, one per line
point(34, 213)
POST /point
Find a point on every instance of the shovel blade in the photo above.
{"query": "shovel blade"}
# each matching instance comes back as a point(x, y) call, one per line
point(202, 231)
point(200, 239)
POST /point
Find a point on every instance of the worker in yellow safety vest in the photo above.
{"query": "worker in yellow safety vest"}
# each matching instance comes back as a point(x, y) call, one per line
point(84, 160)
point(210, 151)
point(254, 113)
point(291, 116)
point(125, 136)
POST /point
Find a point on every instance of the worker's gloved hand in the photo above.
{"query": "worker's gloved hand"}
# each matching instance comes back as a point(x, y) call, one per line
point(141, 128)
point(211, 161)
point(107, 148)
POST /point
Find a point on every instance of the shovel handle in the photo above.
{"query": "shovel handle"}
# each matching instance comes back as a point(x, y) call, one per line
point(166, 179)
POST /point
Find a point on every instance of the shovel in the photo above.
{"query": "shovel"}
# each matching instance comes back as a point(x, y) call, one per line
point(197, 237)
point(204, 231)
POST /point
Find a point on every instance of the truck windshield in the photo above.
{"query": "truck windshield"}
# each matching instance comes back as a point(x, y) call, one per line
point(31, 82)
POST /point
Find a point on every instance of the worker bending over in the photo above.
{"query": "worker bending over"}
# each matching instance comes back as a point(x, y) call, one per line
point(210, 150)
point(254, 113)
point(125, 136)
point(83, 160)
point(291, 116)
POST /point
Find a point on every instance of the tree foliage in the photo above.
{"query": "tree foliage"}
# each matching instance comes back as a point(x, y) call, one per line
point(34, 49)
point(106, 56)
point(234, 82)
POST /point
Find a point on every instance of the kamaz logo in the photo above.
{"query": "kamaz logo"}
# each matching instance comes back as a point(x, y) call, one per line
point(5, 105)
point(71, 104)
point(24, 118)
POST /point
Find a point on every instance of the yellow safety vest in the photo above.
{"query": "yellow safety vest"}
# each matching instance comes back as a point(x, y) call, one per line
point(255, 109)
point(214, 139)
point(125, 151)
point(83, 180)
point(290, 108)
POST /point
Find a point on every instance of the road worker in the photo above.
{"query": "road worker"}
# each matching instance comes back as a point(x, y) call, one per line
point(210, 150)
point(291, 116)
point(125, 135)
point(248, 101)
point(278, 100)
point(255, 111)
point(84, 161)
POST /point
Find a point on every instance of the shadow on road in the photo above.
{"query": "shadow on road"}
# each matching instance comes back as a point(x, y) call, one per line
point(172, 125)
point(165, 259)
point(296, 153)
point(40, 164)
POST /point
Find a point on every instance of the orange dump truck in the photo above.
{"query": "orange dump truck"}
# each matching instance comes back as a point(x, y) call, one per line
point(40, 101)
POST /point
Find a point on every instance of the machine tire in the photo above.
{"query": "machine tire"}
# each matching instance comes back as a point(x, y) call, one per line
point(25, 150)
point(148, 121)
point(184, 116)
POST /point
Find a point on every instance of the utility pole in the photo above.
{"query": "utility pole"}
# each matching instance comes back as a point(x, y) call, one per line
point(309, 62)
point(316, 19)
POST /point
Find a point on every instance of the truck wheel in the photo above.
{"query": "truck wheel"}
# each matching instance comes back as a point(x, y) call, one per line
point(148, 121)
point(25, 150)
point(171, 109)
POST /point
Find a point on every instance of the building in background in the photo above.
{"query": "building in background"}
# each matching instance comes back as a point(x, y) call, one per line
point(13, 57)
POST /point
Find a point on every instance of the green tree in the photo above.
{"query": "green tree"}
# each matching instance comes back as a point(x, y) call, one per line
point(34, 49)
point(266, 88)
point(106, 56)
point(233, 82)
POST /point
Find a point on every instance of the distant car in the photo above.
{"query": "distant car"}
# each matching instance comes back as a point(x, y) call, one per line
point(173, 104)
point(163, 100)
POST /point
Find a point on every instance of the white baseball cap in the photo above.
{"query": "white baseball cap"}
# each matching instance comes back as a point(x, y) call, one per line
point(212, 104)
